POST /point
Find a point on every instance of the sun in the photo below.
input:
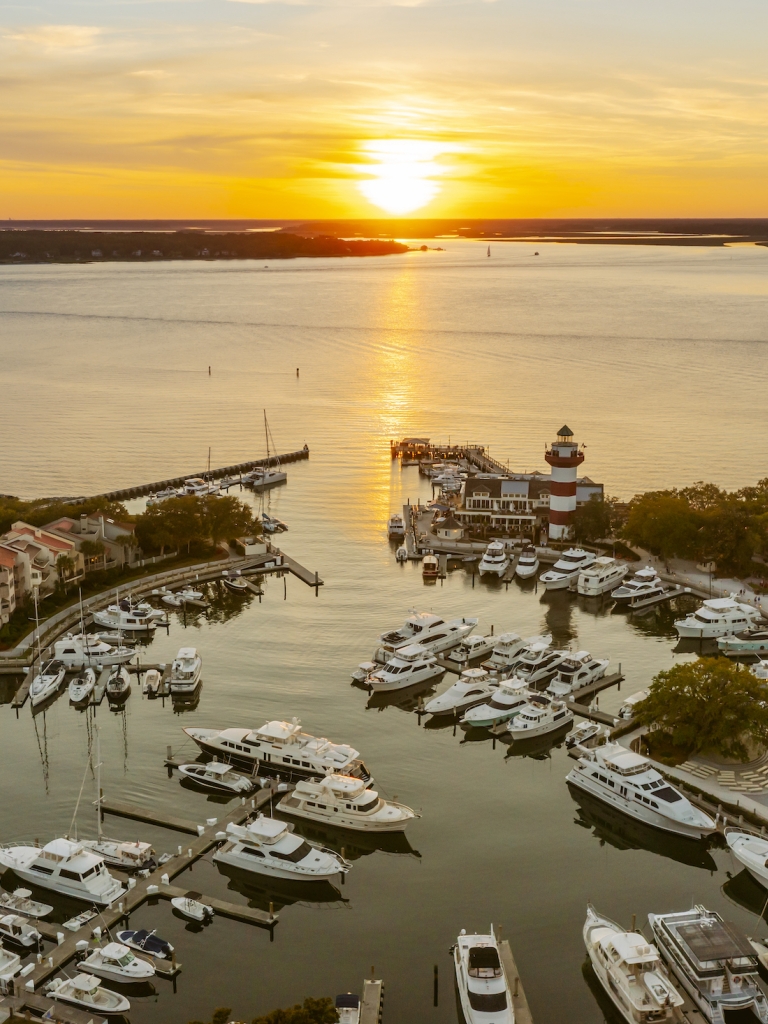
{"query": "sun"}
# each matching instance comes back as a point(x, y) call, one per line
point(401, 173)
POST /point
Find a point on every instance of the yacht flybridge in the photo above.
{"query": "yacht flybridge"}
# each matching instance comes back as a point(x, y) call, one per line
point(713, 962)
point(269, 847)
point(185, 671)
point(280, 748)
point(66, 867)
point(133, 618)
point(628, 782)
point(482, 984)
point(717, 617)
point(603, 575)
point(577, 671)
point(495, 561)
point(567, 568)
point(630, 970)
point(429, 631)
point(508, 650)
point(645, 583)
point(411, 665)
point(507, 701)
point(343, 801)
point(473, 686)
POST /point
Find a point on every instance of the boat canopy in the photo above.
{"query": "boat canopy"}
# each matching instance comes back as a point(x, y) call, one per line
point(483, 958)
point(710, 939)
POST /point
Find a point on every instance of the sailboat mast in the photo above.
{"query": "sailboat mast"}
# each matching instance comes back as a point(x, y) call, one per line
point(98, 781)
point(266, 433)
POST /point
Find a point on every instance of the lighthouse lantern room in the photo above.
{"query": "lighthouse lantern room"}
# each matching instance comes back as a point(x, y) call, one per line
point(565, 457)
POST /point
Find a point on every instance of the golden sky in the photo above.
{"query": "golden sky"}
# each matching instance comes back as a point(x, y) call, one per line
point(231, 108)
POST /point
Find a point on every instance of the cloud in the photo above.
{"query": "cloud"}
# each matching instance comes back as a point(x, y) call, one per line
point(149, 73)
point(57, 37)
point(366, 3)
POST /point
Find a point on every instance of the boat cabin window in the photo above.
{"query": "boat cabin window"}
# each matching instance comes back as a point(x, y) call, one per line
point(42, 870)
point(488, 1002)
point(295, 856)
point(305, 764)
point(484, 962)
point(251, 852)
point(323, 807)
point(70, 874)
point(90, 871)
point(669, 795)
point(369, 805)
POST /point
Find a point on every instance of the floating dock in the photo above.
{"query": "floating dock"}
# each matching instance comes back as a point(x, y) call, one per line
point(519, 1002)
point(372, 1003)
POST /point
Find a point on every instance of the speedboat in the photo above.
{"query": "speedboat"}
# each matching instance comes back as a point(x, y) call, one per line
point(495, 560)
point(344, 802)
point(712, 960)
point(282, 748)
point(396, 526)
point(192, 909)
point(583, 733)
point(475, 646)
point(87, 650)
point(236, 584)
point(127, 856)
point(577, 671)
point(217, 776)
point(508, 699)
point(566, 568)
point(629, 782)
point(81, 687)
point(644, 583)
point(603, 575)
point(185, 671)
point(270, 524)
point(630, 970)
point(746, 641)
point(118, 684)
point(527, 564)
point(269, 847)
point(430, 567)
point(46, 682)
point(539, 717)
point(508, 650)
point(146, 942)
point(429, 631)
point(483, 987)
point(19, 902)
point(66, 867)
point(718, 617)
point(473, 686)
point(409, 666)
point(116, 962)
point(751, 851)
point(539, 663)
point(19, 931)
point(152, 682)
point(402, 553)
point(85, 990)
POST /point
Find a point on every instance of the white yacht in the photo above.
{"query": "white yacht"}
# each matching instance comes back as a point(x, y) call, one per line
point(46, 682)
point(217, 776)
point(118, 684)
point(343, 801)
point(64, 866)
point(85, 990)
point(198, 486)
point(185, 671)
point(527, 564)
point(263, 477)
point(430, 567)
point(19, 902)
point(644, 583)
point(127, 856)
point(713, 962)
point(628, 782)
point(630, 970)
point(603, 575)
point(483, 987)
point(81, 687)
point(751, 852)
point(116, 962)
point(269, 847)
point(539, 717)
point(126, 616)
point(402, 553)
point(717, 617)
point(495, 560)
point(475, 646)
point(411, 665)
point(539, 663)
point(429, 631)
point(746, 641)
point(508, 650)
point(473, 686)
point(577, 671)
point(87, 650)
point(510, 697)
point(19, 931)
point(566, 568)
point(280, 747)
point(396, 526)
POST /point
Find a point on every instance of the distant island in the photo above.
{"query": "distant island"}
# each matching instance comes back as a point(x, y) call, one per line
point(87, 246)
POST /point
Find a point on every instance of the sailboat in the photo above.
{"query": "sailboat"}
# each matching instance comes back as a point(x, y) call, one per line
point(263, 477)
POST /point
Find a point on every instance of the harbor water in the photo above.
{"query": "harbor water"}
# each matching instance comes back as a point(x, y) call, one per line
point(653, 356)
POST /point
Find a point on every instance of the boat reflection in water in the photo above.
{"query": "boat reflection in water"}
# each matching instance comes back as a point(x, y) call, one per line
point(355, 844)
point(538, 747)
point(626, 833)
point(609, 1012)
point(746, 892)
point(183, 703)
point(272, 894)
point(404, 700)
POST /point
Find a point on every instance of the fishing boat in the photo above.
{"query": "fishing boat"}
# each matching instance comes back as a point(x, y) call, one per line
point(192, 908)
point(116, 962)
point(344, 802)
point(81, 687)
point(19, 902)
point(584, 733)
point(482, 984)
point(85, 990)
point(539, 717)
point(473, 686)
point(185, 671)
point(409, 666)
point(47, 682)
point(148, 942)
point(267, 846)
point(18, 930)
point(217, 776)
point(527, 564)
point(236, 584)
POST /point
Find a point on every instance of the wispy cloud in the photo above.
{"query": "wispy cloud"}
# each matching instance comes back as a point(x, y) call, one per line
point(57, 37)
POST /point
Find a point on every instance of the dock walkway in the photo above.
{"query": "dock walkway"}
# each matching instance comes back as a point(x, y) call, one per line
point(372, 1004)
point(519, 1001)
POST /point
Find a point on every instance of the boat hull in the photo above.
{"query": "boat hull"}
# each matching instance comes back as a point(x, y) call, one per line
point(264, 867)
point(640, 812)
point(540, 730)
point(561, 583)
point(387, 687)
point(525, 572)
point(343, 822)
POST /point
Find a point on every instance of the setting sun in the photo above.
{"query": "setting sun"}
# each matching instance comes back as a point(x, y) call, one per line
point(402, 174)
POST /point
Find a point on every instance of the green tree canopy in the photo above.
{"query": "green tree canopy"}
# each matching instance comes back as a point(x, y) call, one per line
point(594, 519)
point(225, 517)
point(709, 704)
point(312, 1011)
point(181, 522)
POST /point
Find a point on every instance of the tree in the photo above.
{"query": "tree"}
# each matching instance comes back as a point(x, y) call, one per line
point(664, 522)
point(313, 1011)
point(709, 704)
point(225, 517)
point(594, 519)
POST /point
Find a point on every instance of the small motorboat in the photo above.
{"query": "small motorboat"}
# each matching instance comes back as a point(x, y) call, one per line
point(118, 684)
point(20, 903)
point(18, 930)
point(272, 525)
point(116, 962)
point(46, 682)
point(146, 942)
point(85, 990)
point(114, 639)
point(81, 687)
point(430, 567)
point(583, 733)
point(189, 595)
point(152, 682)
point(173, 600)
point(215, 775)
point(236, 584)
point(192, 909)
point(402, 553)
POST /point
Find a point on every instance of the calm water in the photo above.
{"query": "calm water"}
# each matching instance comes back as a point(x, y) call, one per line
point(654, 357)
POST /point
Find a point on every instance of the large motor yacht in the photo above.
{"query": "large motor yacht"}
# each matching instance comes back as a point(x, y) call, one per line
point(527, 564)
point(46, 682)
point(630, 970)
point(577, 671)
point(65, 867)
point(396, 526)
point(629, 782)
point(482, 984)
point(411, 665)
point(539, 663)
point(751, 852)
point(567, 568)
point(87, 650)
point(508, 650)
point(717, 617)
point(747, 641)
point(473, 686)
point(282, 748)
point(495, 560)
point(185, 671)
point(714, 963)
point(644, 583)
point(474, 647)
point(429, 631)
point(133, 618)
point(343, 801)
point(269, 847)
point(508, 700)
point(603, 575)
point(539, 717)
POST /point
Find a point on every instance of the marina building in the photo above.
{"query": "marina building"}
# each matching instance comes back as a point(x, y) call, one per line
point(104, 543)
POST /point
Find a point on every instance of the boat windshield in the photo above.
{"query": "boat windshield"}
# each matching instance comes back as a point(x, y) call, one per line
point(295, 855)
point(488, 1002)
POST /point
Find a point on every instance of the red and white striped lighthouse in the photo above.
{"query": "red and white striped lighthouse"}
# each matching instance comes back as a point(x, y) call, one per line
point(565, 457)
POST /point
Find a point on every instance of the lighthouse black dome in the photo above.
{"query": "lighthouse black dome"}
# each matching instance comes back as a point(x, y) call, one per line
point(565, 432)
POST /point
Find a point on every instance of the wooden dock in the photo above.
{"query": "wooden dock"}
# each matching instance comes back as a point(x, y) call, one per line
point(20, 699)
point(234, 910)
point(37, 1007)
point(139, 814)
point(519, 1002)
point(372, 1003)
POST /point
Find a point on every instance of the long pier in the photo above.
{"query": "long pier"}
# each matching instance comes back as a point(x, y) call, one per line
point(519, 1002)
